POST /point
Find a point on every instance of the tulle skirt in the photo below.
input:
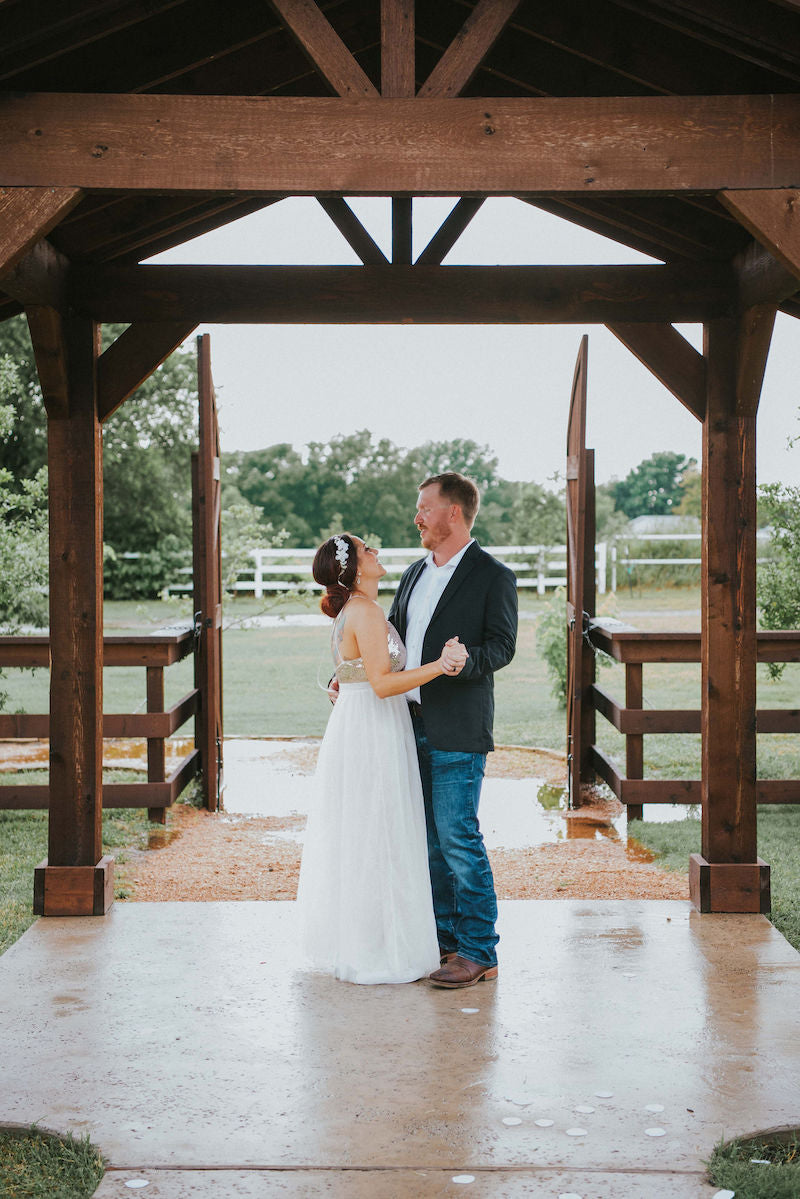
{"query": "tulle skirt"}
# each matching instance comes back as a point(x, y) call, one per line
point(365, 893)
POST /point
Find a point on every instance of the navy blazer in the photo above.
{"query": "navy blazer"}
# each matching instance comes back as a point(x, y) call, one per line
point(479, 606)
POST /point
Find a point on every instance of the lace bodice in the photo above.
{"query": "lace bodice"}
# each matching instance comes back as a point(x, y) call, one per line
point(352, 670)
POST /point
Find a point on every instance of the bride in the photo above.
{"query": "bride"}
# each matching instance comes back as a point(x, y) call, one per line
point(364, 893)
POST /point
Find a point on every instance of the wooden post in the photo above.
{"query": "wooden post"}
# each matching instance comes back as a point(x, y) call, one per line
point(634, 742)
point(76, 880)
point(728, 876)
point(588, 665)
point(156, 752)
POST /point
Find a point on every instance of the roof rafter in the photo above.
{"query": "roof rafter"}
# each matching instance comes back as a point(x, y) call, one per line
point(465, 53)
point(324, 47)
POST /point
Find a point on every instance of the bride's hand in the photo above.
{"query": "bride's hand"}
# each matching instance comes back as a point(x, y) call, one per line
point(453, 657)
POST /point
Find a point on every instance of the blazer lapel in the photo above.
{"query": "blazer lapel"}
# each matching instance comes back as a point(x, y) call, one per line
point(414, 571)
point(461, 572)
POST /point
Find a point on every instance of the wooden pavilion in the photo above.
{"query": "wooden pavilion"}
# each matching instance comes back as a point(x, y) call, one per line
point(672, 126)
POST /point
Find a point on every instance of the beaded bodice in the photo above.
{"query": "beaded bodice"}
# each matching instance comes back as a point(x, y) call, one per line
point(352, 670)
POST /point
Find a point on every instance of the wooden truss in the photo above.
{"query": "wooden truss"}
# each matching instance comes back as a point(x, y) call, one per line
point(192, 162)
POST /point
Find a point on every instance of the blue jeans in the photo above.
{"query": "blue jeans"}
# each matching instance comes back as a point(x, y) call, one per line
point(464, 899)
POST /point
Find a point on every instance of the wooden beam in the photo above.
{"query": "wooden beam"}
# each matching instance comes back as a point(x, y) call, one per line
point(414, 147)
point(754, 336)
point(27, 214)
point(353, 231)
point(465, 53)
point(38, 278)
point(398, 294)
point(402, 232)
point(728, 614)
point(132, 358)
point(671, 358)
point(773, 218)
point(324, 47)
point(76, 628)
point(50, 351)
point(397, 49)
point(761, 278)
point(449, 232)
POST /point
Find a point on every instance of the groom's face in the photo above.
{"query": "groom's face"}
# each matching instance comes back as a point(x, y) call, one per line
point(433, 517)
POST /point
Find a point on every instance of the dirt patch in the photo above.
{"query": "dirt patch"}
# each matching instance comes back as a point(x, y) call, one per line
point(225, 857)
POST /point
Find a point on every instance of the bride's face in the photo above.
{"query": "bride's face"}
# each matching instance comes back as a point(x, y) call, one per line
point(368, 564)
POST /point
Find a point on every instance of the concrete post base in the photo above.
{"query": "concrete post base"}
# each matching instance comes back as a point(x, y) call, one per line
point(729, 886)
point(73, 890)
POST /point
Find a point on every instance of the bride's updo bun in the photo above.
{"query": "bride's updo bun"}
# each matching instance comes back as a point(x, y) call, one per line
point(335, 566)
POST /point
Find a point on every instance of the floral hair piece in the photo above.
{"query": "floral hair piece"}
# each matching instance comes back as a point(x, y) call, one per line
point(341, 553)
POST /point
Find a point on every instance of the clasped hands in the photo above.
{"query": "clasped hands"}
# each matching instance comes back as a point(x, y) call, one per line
point(453, 656)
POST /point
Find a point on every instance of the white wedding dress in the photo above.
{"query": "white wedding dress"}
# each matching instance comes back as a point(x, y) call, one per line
point(365, 892)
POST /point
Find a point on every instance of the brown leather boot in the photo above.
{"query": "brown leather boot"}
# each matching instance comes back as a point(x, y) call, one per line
point(460, 972)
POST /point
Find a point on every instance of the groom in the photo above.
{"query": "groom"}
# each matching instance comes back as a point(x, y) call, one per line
point(457, 590)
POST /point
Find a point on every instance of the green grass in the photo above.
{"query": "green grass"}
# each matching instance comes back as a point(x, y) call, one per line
point(731, 1167)
point(37, 1165)
point(23, 844)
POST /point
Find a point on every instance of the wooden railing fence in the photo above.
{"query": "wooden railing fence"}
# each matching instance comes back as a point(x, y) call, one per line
point(634, 649)
point(154, 653)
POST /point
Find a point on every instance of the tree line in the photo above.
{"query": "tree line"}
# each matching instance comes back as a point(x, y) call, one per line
point(278, 494)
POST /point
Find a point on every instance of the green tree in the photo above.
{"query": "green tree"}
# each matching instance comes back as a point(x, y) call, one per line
point(655, 486)
point(23, 449)
point(23, 526)
point(538, 516)
point(779, 577)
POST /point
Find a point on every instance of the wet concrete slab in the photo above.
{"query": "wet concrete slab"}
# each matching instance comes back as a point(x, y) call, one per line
point(188, 1040)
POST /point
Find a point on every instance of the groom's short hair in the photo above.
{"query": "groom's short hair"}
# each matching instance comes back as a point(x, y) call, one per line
point(458, 489)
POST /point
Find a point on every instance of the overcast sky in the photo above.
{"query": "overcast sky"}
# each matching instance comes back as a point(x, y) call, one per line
point(500, 385)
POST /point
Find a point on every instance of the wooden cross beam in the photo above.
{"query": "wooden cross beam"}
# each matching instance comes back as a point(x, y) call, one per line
point(645, 144)
point(403, 294)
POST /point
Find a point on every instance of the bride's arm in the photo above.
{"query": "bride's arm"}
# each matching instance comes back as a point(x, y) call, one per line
point(368, 626)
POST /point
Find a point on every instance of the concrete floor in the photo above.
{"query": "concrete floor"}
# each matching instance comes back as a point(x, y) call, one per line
point(201, 1058)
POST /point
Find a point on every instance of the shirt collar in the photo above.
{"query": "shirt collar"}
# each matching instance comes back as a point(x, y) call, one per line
point(452, 563)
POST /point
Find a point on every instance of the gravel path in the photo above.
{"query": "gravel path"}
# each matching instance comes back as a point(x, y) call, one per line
point(223, 857)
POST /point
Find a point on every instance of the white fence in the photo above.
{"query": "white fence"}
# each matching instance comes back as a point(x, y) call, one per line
point(537, 567)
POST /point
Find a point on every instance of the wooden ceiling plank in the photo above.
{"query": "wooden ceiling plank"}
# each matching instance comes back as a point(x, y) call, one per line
point(428, 147)
point(28, 214)
point(671, 358)
point(133, 357)
point(141, 248)
point(50, 351)
point(397, 49)
point(397, 294)
point(353, 231)
point(37, 43)
point(465, 53)
point(773, 218)
point(449, 232)
point(324, 47)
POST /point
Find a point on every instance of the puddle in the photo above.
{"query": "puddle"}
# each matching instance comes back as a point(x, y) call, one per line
point(130, 753)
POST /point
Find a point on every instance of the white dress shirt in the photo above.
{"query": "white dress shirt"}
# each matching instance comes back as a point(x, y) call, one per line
point(421, 605)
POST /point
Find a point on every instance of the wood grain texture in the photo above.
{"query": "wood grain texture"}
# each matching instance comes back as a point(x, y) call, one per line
point(466, 52)
point(324, 47)
point(397, 49)
point(46, 328)
point(671, 358)
point(133, 357)
point(449, 231)
point(773, 218)
point(76, 612)
point(754, 338)
point(728, 610)
point(27, 214)
point(417, 147)
point(403, 294)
